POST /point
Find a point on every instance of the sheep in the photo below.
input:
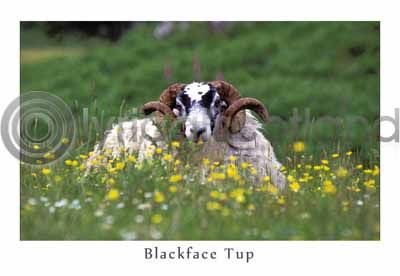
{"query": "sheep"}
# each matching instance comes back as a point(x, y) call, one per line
point(213, 113)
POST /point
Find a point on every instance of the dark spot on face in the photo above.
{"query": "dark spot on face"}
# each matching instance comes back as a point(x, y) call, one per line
point(207, 98)
point(186, 101)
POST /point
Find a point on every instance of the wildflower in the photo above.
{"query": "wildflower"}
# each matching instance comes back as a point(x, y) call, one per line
point(65, 141)
point(308, 167)
point(167, 157)
point(359, 166)
point(175, 144)
point(46, 171)
point(82, 167)
point(232, 158)
point(232, 171)
point(244, 165)
point(68, 162)
point(370, 184)
point(294, 186)
point(120, 166)
point(36, 147)
point(177, 162)
point(290, 178)
point(335, 155)
point(253, 171)
point(317, 168)
point(251, 207)
point(267, 179)
point(111, 181)
point(238, 195)
point(34, 174)
point(156, 219)
point(158, 150)
point(213, 205)
point(281, 200)
point(83, 156)
point(132, 158)
point(159, 197)
point(217, 176)
point(175, 178)
point(375, 171)
point(341, 172)
point(172, 189)
point(49, 155)
point(368, 171)
point(74, 163)
point(329, 187)
point(349, 153)
point(206, 161)
point(298, 146)
point(324, 161)
point(112, 195)
point(272, 189)
point(214, 194)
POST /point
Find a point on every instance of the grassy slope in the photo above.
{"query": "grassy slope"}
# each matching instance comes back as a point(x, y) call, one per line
point(286, 65)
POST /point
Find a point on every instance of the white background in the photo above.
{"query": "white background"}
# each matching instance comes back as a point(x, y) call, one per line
point(272, 258)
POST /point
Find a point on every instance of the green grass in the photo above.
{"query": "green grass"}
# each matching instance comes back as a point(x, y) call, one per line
point(324, 68)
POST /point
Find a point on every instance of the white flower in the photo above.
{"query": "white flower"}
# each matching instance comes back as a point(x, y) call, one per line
point(128, 235)
point(61, 203)
point(139, 219)
point(32, 201)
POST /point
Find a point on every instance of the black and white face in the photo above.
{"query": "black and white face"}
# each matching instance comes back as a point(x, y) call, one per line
point(199, 105)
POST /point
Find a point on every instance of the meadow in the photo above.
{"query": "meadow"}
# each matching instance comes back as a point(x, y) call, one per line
point(317, 70)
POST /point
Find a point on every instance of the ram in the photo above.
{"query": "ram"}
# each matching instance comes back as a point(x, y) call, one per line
point(213, 113)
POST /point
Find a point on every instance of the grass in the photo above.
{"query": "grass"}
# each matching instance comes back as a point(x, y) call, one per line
point(328, 69)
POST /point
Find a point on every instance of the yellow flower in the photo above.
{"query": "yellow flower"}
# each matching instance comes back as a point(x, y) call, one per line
point(82, 167)
point(324, 161)
point(368, 171)
point(158, 150)
point(68, 162)
point(175, 178)
point(167, 157)
point(238, 195)
point(253, 171)
point(65, 141)
point(34, 174)
point(349, 153)
point(36, 147)
point(111, 181)
point(335, 155)
point(294, 186)
point(317, 168)
point(159, 197)
point(156, 219)
point(329, 187)
point(232, 158)
point(213, 205)
point(359, 166)
point(272, 189)
point(49, 155)
point(341, 172)
point(132, 158)
point(46, 171)
point(232, 171)
point(281, 200)
point(112, 195)
point(298, 146)
point(120, 166)
point(83, 156)
point(214, 194)
point(172, 189)
point(74, 163)
point(177, 162)
point(370, 184)
point(375, 171)
point(175, 144)
point(245, 165)
point(206, 161)
point(290, 178)
point(217, 176)
point(57, 178)
point(267, 179)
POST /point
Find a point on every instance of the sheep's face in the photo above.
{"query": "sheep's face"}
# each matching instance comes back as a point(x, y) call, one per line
point(198, 104)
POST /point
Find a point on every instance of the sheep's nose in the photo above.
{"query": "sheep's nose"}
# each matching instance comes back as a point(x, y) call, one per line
point(200, 131)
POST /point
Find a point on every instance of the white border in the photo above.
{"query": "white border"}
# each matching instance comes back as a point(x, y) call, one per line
point(275, 258)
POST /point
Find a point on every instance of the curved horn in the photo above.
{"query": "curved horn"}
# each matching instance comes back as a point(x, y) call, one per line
point(226, 91)
point(235, 112)
point(150, 107)
point(168, 96)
